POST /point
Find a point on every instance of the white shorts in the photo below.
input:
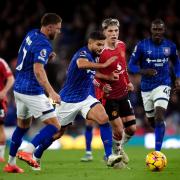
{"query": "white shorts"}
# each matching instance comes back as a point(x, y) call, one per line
point(38, 106)
point(157, 97)
point(67, 112)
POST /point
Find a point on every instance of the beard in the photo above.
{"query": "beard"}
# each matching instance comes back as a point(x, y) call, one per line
point(51, 36)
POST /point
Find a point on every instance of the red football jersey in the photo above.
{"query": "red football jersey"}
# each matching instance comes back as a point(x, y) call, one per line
point(119, 88)
point(5, 72)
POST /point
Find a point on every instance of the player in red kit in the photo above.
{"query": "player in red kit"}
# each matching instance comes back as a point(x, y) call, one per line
point(6, 82)
point(118, 105)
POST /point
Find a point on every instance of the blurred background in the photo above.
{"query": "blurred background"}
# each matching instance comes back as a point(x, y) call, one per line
point(79, 18)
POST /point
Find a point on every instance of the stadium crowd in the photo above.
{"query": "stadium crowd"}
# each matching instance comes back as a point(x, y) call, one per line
point(79, 18)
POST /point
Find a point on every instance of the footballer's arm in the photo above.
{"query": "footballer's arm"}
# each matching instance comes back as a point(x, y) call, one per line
point(84, 63)
point(43, 81)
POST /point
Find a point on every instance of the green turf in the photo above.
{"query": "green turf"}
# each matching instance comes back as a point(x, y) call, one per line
point(66, 165)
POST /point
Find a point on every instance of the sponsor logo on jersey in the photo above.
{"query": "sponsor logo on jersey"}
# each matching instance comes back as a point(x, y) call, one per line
point(157, 62)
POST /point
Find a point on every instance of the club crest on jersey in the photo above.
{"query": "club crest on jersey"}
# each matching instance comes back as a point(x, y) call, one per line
point(43, 53)
point(166, 51)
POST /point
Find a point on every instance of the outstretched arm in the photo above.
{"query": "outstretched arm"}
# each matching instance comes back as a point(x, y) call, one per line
point(84, 63)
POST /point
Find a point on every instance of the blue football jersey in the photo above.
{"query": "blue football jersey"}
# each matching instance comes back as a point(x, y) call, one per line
point(79, 82)
point(147, 54)
point(35, 48)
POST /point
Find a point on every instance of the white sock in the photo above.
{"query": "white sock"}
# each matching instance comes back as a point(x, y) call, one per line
point(125, 138)
point(12, 160)
point(2, 150)
point(29, 148)
point(88, 152)
point(116, 146)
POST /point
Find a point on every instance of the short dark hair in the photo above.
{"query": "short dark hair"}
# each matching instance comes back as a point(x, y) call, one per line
point(97, 35)
point(50, 18)
point(110, 22)
point(158, 21)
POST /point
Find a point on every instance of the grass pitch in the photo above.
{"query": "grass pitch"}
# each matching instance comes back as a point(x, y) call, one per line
point(66, 165)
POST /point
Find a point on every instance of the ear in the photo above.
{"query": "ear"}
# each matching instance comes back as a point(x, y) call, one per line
point(90, 41)
point(49, 27)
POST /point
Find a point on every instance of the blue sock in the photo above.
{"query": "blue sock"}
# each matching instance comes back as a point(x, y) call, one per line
point(16, 140)
point(44, 134)
point(106, 136)
point(42, 147)
point(159, 134)
point(88, 137)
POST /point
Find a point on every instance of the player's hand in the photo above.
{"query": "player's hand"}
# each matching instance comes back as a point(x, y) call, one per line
point(148, 72)
point(114, 76)
point(177, 84)
point(130, 87)
point(107, 88)
point(55, 97)
point(109, 61)
point(52, 57)
point(2, 94)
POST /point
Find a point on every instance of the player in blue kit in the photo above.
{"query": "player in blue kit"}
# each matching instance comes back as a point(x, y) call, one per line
point(29, 90)
point(151, 59)
point(77, 94)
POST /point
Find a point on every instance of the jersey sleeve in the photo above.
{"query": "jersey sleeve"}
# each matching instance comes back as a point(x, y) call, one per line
point(135, 57)
point(5, 69)
point(83, 54)
point(41, 53)
point(175, 61)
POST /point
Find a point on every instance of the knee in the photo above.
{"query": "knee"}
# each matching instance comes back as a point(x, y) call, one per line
point(130, 130)
point(130, 126)
point(102, 119)
point(54, 122)
point(159, 114)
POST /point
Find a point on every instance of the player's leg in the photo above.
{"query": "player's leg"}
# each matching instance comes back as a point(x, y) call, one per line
point(93, 109)
point(126, 113)
point(106, 136)
point(159, 127)
point(2, 142)
point(161, 97)
point(65, 119)
point(23, 124)
point(42, 147)
point(88, 139)
point(16, 140)
point(2, 135)
point(42, 109)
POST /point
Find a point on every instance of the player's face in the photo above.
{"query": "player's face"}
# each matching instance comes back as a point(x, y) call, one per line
point(157, 31)
point(54, 30)
point(97, 46)
point(112, 33)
